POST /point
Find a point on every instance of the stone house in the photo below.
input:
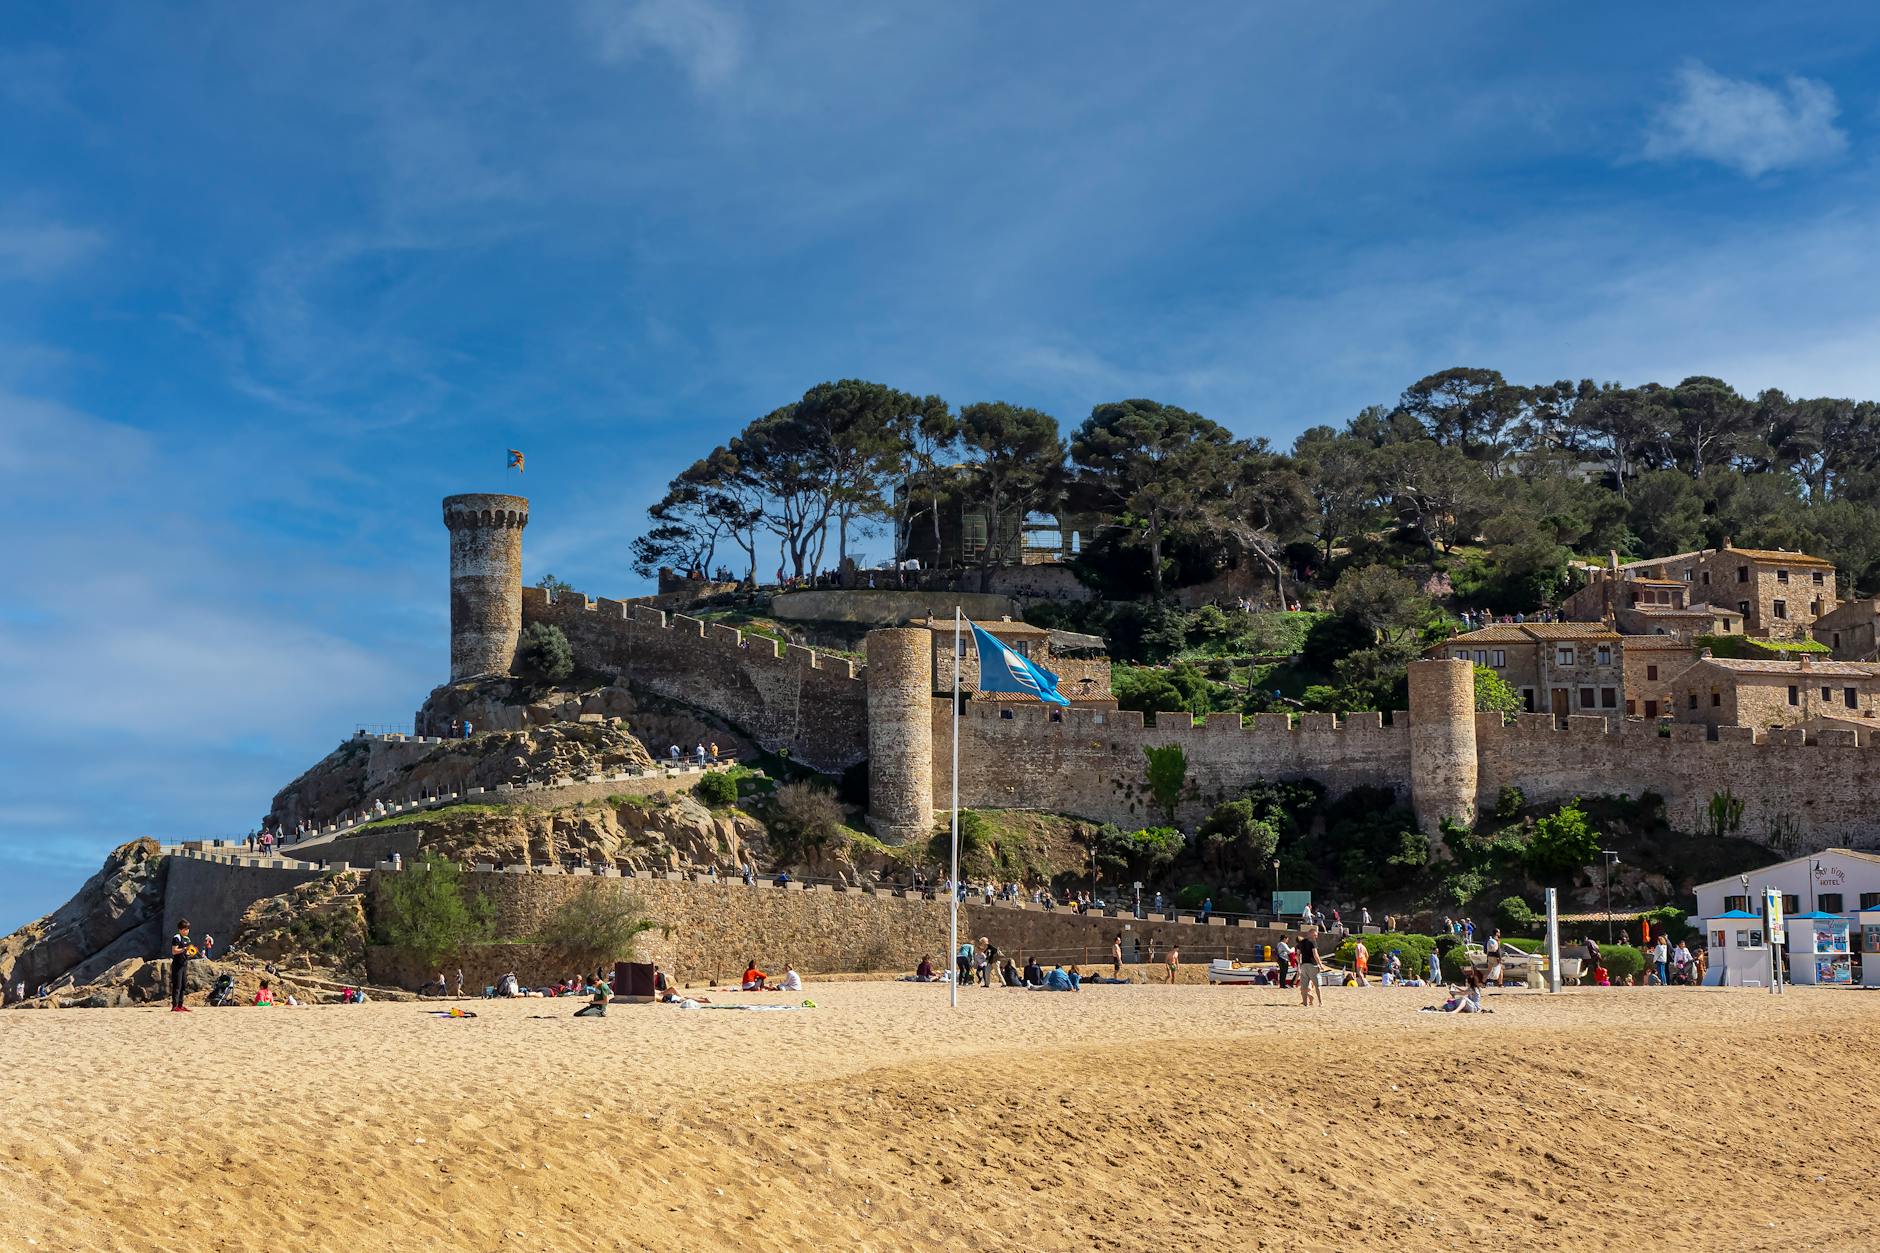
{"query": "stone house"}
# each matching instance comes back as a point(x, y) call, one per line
point(1726, 692)
point(1636, 605)
point(1778, 593)
point(1851, 631)
point(1555, 667)
point(1652, 662)
point(1082, 668)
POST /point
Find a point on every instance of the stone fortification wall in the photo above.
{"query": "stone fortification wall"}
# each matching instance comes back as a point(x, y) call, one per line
point(877, 607)
point(1819, 795)
point(214, 893)
point(1089, 762)
point(782, 695)
point(707, 931)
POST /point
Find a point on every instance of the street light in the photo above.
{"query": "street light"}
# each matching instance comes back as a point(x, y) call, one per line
point(1276, 889)
point(1139, 898)
point(1815, 871)
point(1607, 860)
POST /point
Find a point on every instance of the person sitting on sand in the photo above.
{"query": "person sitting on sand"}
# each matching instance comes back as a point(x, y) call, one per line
point(1034, 973)
point(792, 981)
point(262, 995)
point(1058, 981)
point(1077, 980)
point(598, 996)
point(1464, 1000)
point(754, 978)
point(923, 973)
point(1009, 976)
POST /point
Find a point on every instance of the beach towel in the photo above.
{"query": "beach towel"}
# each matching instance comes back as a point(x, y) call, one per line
point(450, 1013)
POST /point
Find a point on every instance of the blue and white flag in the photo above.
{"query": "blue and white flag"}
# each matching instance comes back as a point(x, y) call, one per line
point(1002, 669)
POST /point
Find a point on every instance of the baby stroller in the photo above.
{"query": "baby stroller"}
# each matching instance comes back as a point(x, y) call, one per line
point(223, 990)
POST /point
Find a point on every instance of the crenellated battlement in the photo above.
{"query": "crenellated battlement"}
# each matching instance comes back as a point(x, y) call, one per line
point(1162, 727)
point(714, 638)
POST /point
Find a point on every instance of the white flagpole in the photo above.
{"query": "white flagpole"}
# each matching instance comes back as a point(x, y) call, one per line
point(953, 894)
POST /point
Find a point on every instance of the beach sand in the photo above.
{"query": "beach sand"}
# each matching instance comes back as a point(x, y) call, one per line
point(1119, 1118)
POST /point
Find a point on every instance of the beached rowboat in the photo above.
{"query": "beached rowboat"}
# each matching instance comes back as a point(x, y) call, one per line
point(1224, 970)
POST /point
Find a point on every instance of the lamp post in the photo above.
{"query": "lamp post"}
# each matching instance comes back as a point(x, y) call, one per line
point(1138, 898)
point(1814, 873)
point(1276, 889)
point(1607, 860)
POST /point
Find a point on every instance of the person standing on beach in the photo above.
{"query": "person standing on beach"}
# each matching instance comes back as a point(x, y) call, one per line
point(1361, 963)
point(1116, 957)
point(1308, 951)
point(182, 948)
point(1174, 960)
point(1661, 957)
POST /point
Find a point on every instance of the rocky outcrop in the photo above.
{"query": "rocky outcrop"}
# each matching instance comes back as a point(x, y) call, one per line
point(317, 925)
point(505, 705)
point(660, 832)
point(116, 916)
point(364, 769)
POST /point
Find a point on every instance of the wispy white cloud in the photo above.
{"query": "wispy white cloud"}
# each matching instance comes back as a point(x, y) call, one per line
point(1745, 125)
point(707, 40)
point(38, 250)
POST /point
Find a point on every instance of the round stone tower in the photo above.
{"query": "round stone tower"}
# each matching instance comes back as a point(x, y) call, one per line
point(1443, 771)
point(900, 733)
point(485, 582)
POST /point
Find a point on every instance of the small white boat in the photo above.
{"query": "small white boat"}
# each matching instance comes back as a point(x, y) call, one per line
point(1224, 970)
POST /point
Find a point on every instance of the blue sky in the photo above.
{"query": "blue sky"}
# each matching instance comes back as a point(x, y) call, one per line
point(274, 280)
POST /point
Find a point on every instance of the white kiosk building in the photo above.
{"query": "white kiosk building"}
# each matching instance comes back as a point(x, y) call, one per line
point(1739, 951)
point(1819, 951)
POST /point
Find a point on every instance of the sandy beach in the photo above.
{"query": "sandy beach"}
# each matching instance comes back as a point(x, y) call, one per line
point(1122, 1117)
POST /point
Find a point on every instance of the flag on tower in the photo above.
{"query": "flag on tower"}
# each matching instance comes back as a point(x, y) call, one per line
point(1003, 669)
point(515, 460)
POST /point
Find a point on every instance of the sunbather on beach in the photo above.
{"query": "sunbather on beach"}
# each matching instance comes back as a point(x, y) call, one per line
point(754, 978)
point(1464, 1000)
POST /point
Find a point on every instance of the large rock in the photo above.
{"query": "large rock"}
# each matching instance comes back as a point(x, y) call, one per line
point(116, 915)
point(365, 769)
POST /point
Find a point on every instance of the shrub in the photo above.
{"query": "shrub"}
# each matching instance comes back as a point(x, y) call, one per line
point(717, 789)
point(1510, 801)
point(1168, 772)
point(1622, 961)
point(428, 912)
point(1563, 842)
point(1523, 943)
point(1191, 896)
point(1464, 887)
point(976, 837)
point(543, 655)
point(1413, 950)
point(1235, 836)
point(597, 925)
point(1515, 914)
point(802, 819)
point(1493, 695)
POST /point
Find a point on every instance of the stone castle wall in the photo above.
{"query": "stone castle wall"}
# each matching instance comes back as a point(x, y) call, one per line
point(782, 695)
point(1090, 762)
point(485, 573)
point(707, 931)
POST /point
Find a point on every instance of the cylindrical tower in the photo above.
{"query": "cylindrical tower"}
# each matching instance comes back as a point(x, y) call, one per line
point(485, 582)
point(900, 733)
point(1443, 767)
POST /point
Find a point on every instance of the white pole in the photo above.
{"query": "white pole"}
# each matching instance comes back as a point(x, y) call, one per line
point(1553, 941)
point(953, 894)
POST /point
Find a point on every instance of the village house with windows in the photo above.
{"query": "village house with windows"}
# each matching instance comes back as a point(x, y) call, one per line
point(1851, 632)
point(1555, 667)
point(1727, 692)
point(1639, 605)
point(1778, 593)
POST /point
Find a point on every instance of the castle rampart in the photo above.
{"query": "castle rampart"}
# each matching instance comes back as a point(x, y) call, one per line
point(900, 733)
point(783, 695)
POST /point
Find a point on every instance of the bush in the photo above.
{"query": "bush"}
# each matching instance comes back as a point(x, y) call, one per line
point(717, 789)
point(426, 911)
point(1414, 950)
point(1563, 842)
point(1493, 695)
point(543, 655)
point(975, 838)
point(1191, 896)
point(597, 925)
point(1168, 773)
point(1235, 836)
point(1622, 961)
point(1510, 801)
point(1515, 914)
point(802, 819)
point(1523, 943)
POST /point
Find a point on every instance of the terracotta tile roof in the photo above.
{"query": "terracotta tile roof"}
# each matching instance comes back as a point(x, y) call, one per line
point(1533, 632)
point(1778, 557)
point(1791, 669)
